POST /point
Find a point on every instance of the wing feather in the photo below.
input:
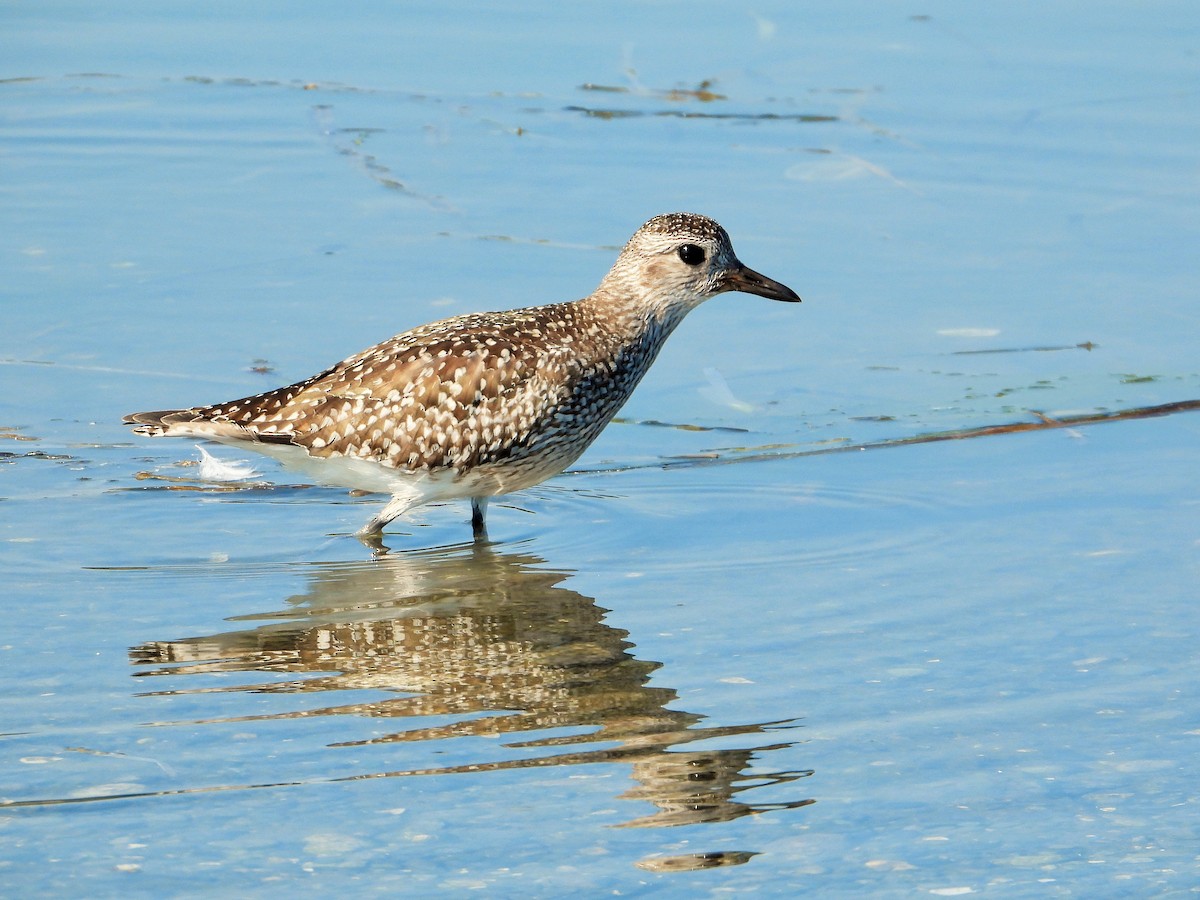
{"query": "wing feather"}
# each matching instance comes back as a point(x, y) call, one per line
point(452, 394)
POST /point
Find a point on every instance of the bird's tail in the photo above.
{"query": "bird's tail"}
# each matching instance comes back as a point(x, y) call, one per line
point(196, 423)
point(158, 422)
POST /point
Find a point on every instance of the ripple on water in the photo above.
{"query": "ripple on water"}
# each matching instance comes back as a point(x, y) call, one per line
point(825, 511)
point(735, 516)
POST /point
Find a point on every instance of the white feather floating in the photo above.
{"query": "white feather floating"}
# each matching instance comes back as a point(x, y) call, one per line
point(717, 390)
point(214, 469)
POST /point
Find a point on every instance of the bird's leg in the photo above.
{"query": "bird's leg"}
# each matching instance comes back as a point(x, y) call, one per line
point(371, 534)
point(374, 528)
point(478, 525)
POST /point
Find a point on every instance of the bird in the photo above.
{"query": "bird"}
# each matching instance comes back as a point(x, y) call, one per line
point(483, 404)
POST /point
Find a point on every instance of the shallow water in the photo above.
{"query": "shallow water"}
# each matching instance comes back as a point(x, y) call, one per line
point(755, 642)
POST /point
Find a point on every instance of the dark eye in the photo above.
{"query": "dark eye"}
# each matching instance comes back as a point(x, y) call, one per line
point(691, 254)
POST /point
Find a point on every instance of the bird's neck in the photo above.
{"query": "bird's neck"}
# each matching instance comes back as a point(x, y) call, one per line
point(630, 310)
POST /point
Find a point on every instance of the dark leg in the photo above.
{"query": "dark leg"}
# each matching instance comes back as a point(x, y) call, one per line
point(478, 526)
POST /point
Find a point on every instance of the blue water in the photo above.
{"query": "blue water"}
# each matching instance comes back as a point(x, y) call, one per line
point(740, 655)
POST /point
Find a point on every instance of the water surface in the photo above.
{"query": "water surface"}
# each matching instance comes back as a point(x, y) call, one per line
point(756, 641)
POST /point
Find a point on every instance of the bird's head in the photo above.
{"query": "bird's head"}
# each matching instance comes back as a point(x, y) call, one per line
point(677, 261)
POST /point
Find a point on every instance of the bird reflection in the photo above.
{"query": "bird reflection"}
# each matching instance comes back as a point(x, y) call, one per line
point(495, 640)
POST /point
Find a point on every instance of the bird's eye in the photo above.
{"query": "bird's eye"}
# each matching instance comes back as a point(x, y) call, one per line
point(691, 254)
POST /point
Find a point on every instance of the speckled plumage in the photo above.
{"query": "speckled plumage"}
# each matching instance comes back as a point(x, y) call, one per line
point(487, 403)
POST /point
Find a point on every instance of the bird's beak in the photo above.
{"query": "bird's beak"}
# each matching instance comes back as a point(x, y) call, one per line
point(750, 282)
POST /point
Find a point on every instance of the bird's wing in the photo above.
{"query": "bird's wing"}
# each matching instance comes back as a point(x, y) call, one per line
point(445, 395)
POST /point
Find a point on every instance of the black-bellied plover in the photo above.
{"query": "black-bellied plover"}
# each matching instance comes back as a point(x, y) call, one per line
point(487, 403)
